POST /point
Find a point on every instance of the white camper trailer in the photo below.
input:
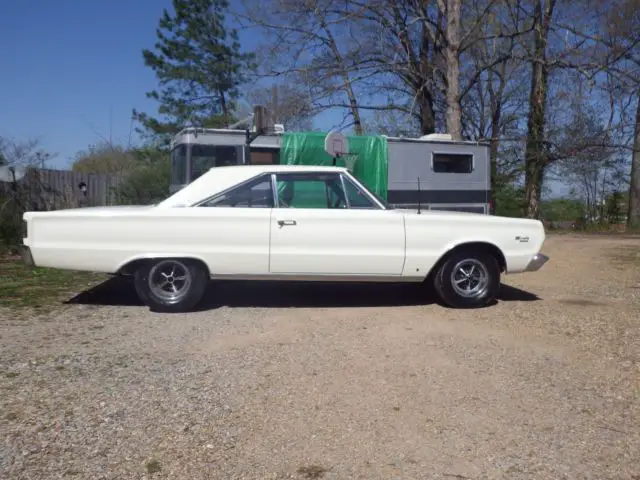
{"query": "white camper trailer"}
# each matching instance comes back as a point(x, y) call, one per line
point(430, 172)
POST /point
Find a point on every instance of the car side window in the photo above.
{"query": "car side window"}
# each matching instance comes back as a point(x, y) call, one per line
point(357, 198)
point(310, 190)
point(257, 194)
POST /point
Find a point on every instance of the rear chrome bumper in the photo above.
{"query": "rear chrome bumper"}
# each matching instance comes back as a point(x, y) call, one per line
point(536, 262)
point(25, 253)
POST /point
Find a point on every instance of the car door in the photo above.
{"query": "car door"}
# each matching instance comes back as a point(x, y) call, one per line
point(315, 232)
point(233, 228)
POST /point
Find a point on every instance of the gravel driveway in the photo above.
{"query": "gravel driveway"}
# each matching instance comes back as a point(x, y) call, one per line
point(336, 382)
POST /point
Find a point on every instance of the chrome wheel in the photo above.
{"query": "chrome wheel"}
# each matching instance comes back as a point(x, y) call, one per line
point(170, 280)
point(469, 278)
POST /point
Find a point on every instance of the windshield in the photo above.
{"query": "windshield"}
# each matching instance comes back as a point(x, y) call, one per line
point(204, 157)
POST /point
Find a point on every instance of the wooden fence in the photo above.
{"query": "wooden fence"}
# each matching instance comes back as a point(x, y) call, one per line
point(48, 189)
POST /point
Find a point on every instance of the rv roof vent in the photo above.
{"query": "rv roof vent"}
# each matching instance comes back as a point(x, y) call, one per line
point(437, 136)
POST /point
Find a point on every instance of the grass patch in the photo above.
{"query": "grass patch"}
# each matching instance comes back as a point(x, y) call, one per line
point(312, 471)
point(40, 288)
point(153, 466)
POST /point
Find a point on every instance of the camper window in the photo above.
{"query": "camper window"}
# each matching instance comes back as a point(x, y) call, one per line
point(204, 157)
point(179, 165)
point(452, 163)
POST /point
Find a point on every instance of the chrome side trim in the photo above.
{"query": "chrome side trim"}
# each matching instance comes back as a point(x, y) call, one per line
point(293, 277)
point(536, 262)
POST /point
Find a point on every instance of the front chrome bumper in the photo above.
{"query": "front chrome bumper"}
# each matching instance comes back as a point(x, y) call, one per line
point(536, 262)
point(25, 253)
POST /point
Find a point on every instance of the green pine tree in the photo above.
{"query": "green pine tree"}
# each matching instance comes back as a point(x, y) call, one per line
point(199, 67)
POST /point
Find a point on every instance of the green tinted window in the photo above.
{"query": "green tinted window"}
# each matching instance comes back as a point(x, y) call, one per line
point(310, 191)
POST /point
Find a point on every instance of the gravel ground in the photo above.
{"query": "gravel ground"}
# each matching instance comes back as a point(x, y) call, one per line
point(336, 382)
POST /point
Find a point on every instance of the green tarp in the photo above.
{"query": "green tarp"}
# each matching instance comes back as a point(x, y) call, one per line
point(370, 152)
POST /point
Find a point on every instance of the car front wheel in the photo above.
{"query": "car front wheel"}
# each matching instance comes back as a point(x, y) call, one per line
point(171, 284)
point(468, 279)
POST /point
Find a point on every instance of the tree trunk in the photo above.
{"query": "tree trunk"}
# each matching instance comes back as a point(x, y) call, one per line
point(633, 215)
point(534, 175)
point(496, 99)
point(454, 111)
point(536, 157)
point(494, 146)
point(427, 116)
point(353, 102)
point(425, 73)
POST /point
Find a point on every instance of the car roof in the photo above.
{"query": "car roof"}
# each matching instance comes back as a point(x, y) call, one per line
point(279, 168)
point(218, 179)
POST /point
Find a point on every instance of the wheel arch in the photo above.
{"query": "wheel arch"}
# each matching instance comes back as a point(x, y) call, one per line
point(130, 266)
point(477, 245)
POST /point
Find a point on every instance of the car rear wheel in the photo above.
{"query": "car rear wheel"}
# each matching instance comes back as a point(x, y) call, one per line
point(468, 279)
point(171, 284)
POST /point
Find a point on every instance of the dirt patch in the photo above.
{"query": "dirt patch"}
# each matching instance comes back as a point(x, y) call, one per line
point(583, 302)
point(279, 382)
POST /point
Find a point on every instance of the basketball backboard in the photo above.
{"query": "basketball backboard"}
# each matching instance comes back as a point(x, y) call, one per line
point(336, 144)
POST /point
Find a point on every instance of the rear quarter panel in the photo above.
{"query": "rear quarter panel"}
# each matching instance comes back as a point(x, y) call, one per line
point(431, 237)
point(228, 240)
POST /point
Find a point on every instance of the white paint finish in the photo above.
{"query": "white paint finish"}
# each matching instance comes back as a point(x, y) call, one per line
point(248, 242)
point(432, 233)
point(228, 240)
point(322, 241)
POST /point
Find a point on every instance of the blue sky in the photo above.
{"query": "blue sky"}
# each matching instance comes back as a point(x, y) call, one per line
point(72, 71)
point(68, 64)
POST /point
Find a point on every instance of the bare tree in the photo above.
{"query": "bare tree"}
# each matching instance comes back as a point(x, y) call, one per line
point(27, 153)
point(621, 33)
point(402, 56)
point(15, 193)
point(584, 157)
point(104, 157)
point(633, 215)
point(290, 105)
point(536, 157)
point(494, 86)
point(613, 63)
point(307, 45)
point(454, 110)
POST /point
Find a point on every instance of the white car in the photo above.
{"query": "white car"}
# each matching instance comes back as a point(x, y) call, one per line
point(282, 222)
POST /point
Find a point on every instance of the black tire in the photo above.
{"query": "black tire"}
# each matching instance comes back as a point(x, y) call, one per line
point(182, 290)
point(488, 283)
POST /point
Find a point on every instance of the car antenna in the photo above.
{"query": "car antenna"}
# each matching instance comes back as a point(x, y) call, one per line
point(419, 195)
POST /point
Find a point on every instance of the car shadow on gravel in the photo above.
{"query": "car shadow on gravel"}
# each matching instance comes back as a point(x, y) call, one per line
point(119, 291)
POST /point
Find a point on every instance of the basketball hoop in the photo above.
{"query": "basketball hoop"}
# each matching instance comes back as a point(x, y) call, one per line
point(336, 144)
point(349, 160)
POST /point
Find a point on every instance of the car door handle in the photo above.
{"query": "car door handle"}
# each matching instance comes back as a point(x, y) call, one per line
point(282, 223)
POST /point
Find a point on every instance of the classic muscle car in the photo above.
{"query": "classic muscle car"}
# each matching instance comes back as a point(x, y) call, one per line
point(272, 222)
